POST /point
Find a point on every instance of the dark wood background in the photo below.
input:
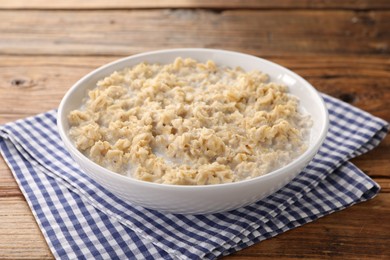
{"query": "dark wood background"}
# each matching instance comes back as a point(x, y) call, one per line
point(341, 47)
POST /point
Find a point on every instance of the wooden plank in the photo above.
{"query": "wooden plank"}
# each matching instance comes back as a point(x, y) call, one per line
point(20, 236)
point(376, 163)
point(343, 235)
point(216, 4)
point(114, 32)
point(31, 85)
point(384, 183)
point(359, 80)
point(351, 232)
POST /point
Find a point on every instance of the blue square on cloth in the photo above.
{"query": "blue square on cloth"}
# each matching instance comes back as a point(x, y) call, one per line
point(80, 219)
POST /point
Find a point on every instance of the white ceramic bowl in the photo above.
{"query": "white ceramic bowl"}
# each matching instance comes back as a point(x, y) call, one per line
point(205, 198)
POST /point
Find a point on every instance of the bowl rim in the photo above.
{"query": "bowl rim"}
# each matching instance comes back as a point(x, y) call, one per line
point(310, 153)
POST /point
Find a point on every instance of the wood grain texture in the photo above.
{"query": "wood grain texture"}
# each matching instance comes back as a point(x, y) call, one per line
point(20, 237)
point(363, 81)
point(330, 237)
point(297, 32)
point(350, 234)
point(215, 4)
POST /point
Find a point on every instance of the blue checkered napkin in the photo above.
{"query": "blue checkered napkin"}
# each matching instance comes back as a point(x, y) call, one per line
point(80, 219)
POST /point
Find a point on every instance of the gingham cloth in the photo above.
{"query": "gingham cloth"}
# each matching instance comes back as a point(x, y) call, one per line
point(82, 220)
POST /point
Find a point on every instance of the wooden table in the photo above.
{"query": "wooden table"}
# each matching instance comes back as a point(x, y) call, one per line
point(341, 47)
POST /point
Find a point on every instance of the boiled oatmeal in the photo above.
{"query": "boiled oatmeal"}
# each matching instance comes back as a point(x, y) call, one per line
point(189, 123)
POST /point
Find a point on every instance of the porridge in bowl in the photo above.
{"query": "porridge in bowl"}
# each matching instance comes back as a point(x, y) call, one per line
point(190, 123)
